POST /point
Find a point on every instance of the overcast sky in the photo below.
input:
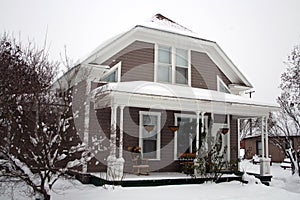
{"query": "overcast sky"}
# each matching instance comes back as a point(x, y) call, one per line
point(257, 35)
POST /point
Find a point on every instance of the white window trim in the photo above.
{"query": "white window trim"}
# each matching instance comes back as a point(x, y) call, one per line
point(220, 81)
point(173, 64)
point(112, 70)
point(141, 127)
point(192, 116)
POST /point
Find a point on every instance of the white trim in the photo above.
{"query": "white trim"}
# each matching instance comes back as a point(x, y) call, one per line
point(220, 81)
point(158, 128)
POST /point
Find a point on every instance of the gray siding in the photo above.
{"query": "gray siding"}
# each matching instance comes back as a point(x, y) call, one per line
point(205, 71)
point(137, 62)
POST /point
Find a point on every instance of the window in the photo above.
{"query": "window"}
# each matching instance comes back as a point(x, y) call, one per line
point(185, 137)
point(258, 148)
point(181, 66)
point(171, 60)
point(113, 75)
point(221, 86)
point(164, 66)
point(150, 134)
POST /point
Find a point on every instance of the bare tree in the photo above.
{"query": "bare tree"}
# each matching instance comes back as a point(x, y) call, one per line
point(40, 142)
point(286, 123)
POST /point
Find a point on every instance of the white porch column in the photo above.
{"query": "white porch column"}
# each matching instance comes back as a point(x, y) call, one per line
point(228, 139)
point(111, 159)
point(267, 137)
point(262, 138)
point(264, 161)
point(113, 134)
point(120, 160)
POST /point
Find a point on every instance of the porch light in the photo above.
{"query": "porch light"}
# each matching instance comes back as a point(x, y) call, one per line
point(173, 128)
point(224, 130)
point(149, 128)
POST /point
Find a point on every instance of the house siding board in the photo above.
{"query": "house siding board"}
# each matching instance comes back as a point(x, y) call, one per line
point(205, 71)
point(137, 62)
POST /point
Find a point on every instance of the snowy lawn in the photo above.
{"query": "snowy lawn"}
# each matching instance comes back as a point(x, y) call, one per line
point(283, 186)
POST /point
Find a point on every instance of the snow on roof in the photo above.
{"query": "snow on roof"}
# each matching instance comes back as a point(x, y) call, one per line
point(163, 23)
point(176, 91)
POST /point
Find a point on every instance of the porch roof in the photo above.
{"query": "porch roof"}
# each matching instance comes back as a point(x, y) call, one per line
point(175, 97)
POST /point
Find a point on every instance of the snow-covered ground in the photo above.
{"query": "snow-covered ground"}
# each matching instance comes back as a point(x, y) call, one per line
point(283, 186)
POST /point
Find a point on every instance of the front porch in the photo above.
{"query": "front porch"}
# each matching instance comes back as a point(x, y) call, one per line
point(150, 101)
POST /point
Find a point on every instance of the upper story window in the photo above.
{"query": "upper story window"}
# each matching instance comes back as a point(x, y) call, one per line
point(181, 66)
point(222, 87)
point(172, 65)
point(164, 65)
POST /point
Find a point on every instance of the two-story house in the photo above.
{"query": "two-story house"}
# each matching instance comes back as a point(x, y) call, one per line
point(161, 87)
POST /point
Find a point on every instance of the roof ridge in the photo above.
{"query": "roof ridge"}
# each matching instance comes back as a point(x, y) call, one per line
point(161, 17)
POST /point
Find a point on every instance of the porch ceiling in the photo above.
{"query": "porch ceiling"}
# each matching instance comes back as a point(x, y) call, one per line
point(174, 97)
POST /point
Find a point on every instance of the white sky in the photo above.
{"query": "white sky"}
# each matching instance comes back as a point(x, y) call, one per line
point(257, 35)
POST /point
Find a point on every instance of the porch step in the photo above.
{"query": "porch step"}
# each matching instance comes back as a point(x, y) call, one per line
point(148, 182)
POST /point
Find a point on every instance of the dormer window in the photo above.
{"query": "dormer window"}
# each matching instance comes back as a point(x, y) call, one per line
point(222, 87)
point(172, 65)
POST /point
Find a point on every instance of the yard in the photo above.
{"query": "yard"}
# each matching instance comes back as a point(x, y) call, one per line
point(283, 186)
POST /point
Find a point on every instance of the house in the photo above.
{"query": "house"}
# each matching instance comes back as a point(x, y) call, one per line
point(161, 87)
point(253, 146)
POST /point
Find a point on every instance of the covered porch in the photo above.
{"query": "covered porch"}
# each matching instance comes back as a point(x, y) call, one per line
point(199, 103)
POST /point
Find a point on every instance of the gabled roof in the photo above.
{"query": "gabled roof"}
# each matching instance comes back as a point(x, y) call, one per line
point(160, 28)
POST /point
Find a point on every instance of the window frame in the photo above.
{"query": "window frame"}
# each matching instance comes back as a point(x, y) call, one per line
point(158, 128)
point(173, 64)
